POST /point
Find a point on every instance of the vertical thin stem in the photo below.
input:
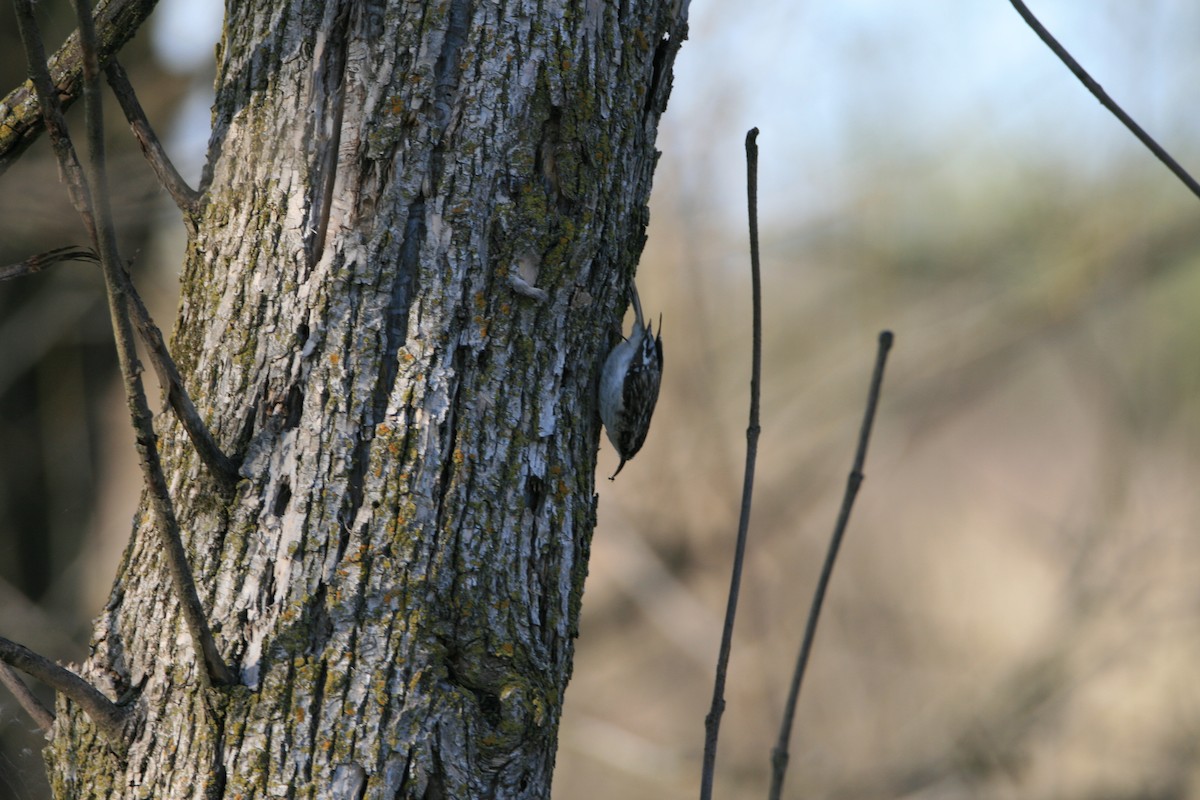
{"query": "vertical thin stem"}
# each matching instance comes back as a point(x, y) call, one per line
point(712, 723)
point(779, 756)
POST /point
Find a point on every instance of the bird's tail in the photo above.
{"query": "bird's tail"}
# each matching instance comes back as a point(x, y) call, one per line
point(637, 305)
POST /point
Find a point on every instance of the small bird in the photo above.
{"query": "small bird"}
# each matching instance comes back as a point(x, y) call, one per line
point(629, 385)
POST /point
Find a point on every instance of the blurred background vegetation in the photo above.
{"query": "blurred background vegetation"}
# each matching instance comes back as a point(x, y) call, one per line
point(1016, 613)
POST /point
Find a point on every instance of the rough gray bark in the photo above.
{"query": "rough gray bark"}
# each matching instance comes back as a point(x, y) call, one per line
point(397, 577)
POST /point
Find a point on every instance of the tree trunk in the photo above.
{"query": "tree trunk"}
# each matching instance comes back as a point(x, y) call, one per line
point(421, 224)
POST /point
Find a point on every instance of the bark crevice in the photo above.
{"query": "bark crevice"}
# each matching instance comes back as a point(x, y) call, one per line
point(327, 108)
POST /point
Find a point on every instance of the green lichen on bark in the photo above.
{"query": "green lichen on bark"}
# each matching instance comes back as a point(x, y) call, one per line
point(398, 576)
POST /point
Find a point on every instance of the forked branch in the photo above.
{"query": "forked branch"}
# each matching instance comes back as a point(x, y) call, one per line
point(90, 196)
point(43, 716)
point(21, 114)
point(187, 198)
point(104, 713)
point(119, 301)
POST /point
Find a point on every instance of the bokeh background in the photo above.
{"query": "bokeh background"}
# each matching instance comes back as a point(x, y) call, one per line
point(1016, 613)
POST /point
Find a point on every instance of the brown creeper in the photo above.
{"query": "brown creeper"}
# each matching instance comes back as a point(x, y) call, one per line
point(629, 386)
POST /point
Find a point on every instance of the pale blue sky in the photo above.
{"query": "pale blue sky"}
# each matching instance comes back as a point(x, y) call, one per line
point(841, 90)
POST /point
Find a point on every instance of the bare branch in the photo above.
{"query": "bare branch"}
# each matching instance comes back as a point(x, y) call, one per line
point(48, 259)
point(1106, 101)
point(97, 216)
point(107, 715)
point(43, 716)
point(187, 198)
point(222, 466)
point(52, 114)
point(214, 668)
point(779, 756)
point(22, 118)
point(712, 722)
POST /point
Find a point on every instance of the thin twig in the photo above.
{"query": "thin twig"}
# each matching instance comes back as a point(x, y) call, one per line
point(184, 196)
point(712, 722)
point(41, 261)
point(779, 756)
point(104, 713)
point(51, 111)
point(1104, 99)
point(220, 465)
point(43, 716)
point(214, 668)
point(21, 119)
